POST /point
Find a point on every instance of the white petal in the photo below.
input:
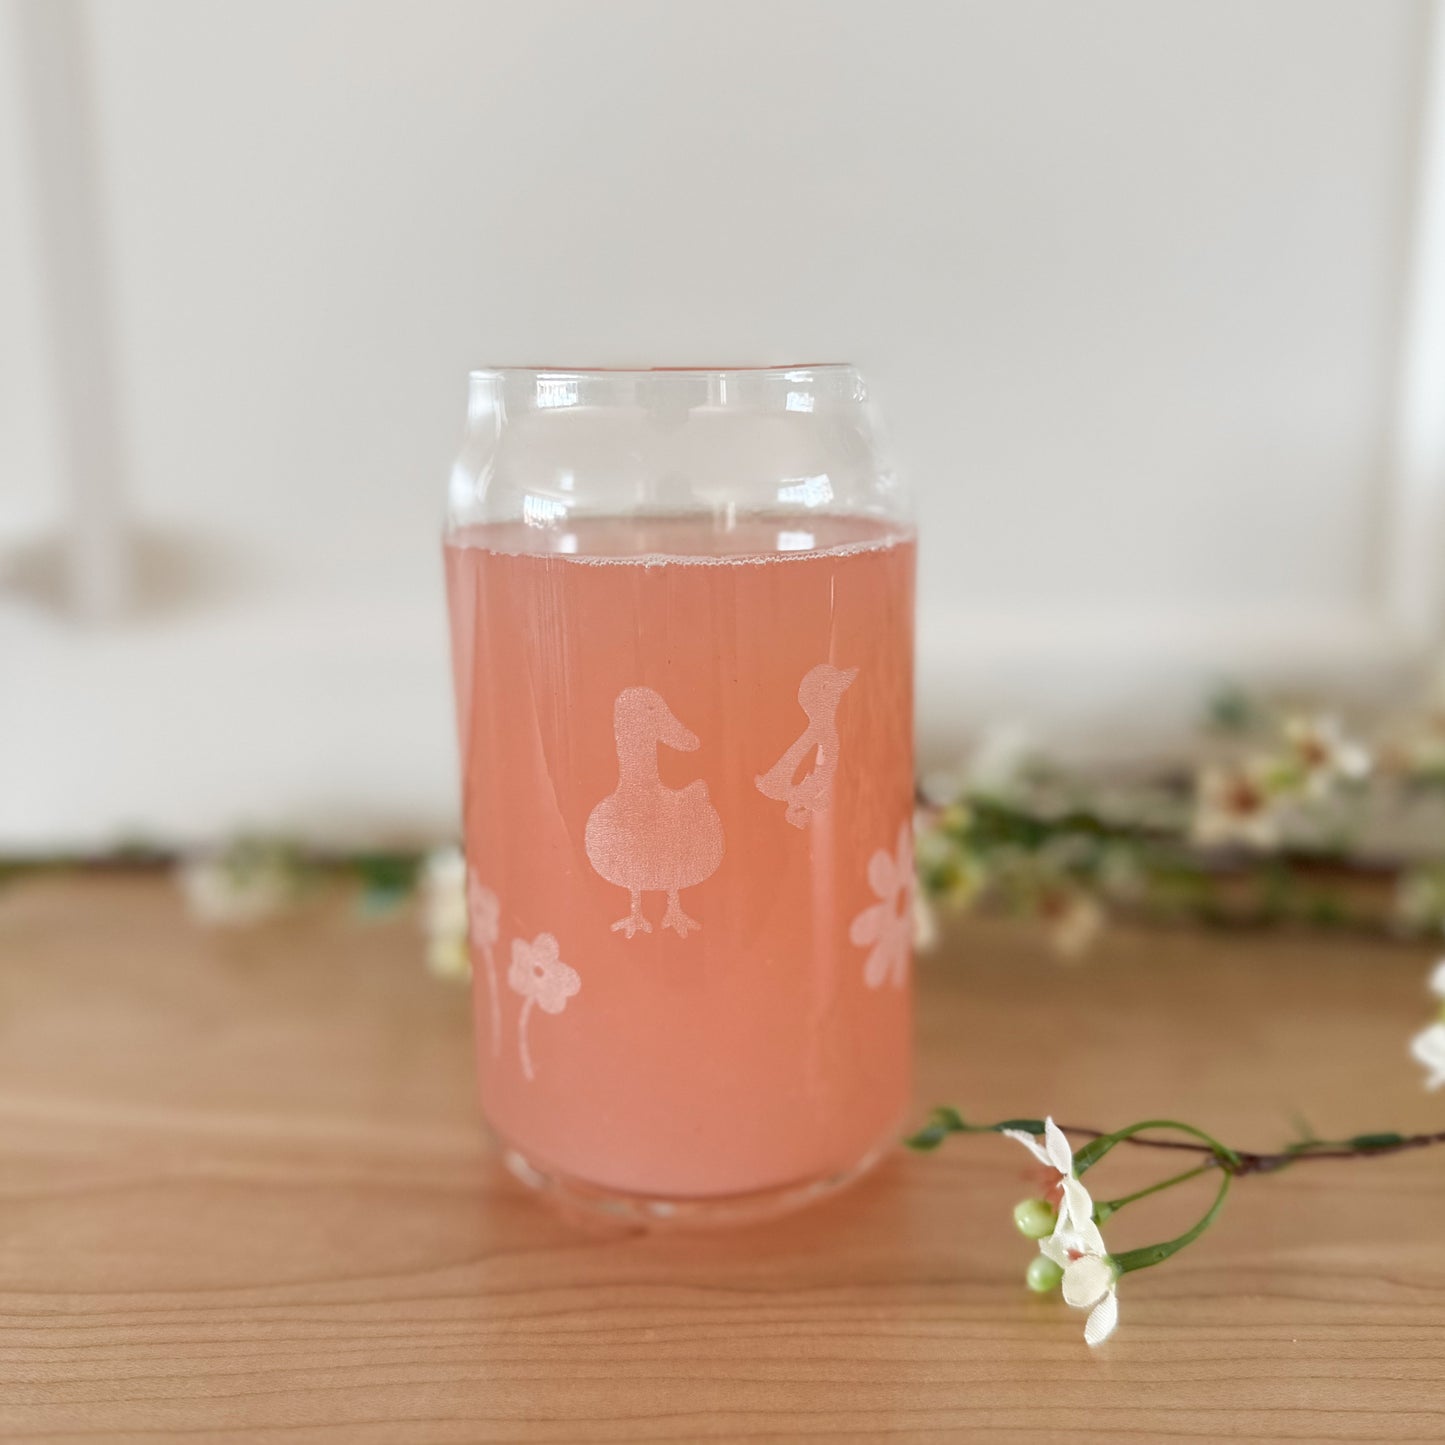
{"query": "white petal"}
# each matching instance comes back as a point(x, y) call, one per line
point(1428, 1046)
point(1027, 1140)
point(875, 967)
point(1060, 1155)
point(882, 875)
point(1086, 1280)
point(1102, 1319)
point(1437, 979)
point(1355, 761)
point(1078, 1207)
point(900, 952)
point(868, 926)
point(1056, 1248)
point(1087, 1238)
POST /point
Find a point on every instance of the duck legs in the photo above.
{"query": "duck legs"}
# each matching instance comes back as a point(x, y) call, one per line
point(634, 919)
point(676, 918)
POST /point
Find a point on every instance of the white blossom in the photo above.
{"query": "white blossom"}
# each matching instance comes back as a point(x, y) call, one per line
point(1056, 1153)
point(228, 892)
point(1428, 1047)
point(1090, 1276)
point(1437, 980)
point(1075, 920)
point(1324, 754)
point(1233, 805)
point(1076, 1245)
point(444, 913)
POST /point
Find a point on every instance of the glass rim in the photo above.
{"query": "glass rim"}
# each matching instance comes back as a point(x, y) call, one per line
point(766, 369)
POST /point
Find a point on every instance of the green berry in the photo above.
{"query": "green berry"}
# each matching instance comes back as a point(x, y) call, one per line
point(1043, 1275)
point(1034, 1217)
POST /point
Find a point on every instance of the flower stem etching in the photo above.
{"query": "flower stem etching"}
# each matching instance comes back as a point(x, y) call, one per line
point(541, 978)
point(484, 921)
point(494, 1000)
point(523, 1051)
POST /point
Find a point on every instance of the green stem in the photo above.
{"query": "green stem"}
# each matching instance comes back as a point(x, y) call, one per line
point(1092, 1152)
point(945, 1121)
point(1105, 1207)
point(1152, 1254)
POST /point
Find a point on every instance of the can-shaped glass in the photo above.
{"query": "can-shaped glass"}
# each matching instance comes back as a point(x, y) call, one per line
point(682, 638)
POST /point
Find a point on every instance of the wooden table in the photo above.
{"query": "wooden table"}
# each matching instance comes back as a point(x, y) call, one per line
point(244, 1195)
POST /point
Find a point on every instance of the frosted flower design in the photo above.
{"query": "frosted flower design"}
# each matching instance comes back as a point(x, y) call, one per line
point(543, 980)
point(886, 928)
point(484, 925)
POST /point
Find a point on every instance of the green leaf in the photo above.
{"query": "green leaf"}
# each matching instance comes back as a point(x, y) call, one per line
point(941, 1123)
point(1376, 1141)
point(1152, 1254)
point(1091, 1153)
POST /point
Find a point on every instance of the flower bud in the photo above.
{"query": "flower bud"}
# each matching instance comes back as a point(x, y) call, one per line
point(1043, 1275)
point(1035, 1218)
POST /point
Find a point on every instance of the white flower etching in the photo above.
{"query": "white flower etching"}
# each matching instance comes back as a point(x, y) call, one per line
point(540, 976)
point(484, 922)
point(886, 927)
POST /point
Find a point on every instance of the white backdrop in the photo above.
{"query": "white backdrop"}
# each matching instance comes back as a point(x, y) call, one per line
point(1133, 282)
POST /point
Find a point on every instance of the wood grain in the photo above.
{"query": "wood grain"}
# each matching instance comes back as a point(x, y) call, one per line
point(245, 1196)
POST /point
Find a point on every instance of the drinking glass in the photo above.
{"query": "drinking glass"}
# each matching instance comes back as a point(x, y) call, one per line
point(682, 636)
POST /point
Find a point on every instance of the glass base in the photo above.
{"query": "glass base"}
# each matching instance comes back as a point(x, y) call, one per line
point(585, 1202)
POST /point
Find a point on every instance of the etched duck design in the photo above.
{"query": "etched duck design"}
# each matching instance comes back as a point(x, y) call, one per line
point(818, 695)
point(646, 837)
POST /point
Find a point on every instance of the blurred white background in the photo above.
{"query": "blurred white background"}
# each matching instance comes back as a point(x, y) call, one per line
point(1153, 296)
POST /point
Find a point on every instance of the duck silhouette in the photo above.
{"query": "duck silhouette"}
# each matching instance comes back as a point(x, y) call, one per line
point(646, 837)
point(818, 694)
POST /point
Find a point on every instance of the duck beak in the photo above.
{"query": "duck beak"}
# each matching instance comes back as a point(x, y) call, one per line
point(674, 735)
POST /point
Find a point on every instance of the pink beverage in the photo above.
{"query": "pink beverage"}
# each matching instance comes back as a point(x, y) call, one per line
point(687, 781)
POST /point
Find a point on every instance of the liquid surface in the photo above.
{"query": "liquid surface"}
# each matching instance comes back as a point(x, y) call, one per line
point(687, 765)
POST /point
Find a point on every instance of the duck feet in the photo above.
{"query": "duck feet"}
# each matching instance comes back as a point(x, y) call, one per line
point(676, 918)
point(634, 920)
